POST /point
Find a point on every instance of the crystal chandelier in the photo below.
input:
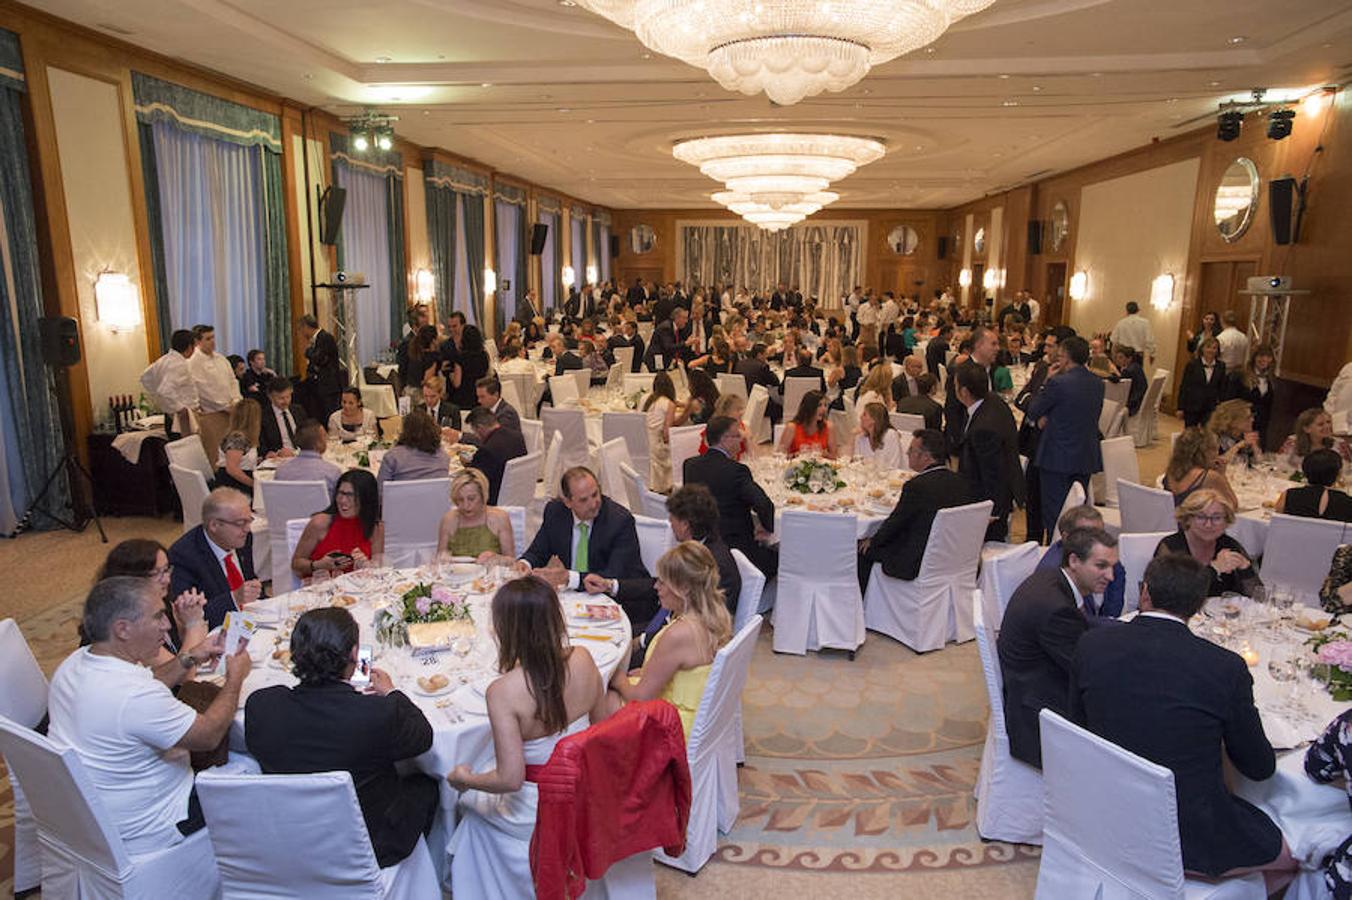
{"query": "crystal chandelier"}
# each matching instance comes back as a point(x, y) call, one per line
point(790, 49)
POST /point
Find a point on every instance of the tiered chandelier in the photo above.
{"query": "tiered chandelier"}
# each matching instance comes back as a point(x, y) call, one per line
point(790, 49)
point(777, 180)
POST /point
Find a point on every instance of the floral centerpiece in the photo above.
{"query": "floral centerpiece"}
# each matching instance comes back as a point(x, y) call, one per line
point(433, 616)
point(1333, 653)
point(812, 476)
point(634, 400)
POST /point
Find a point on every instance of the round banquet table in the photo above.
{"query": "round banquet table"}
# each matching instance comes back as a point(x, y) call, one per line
point(458, 714)
point(870, 493)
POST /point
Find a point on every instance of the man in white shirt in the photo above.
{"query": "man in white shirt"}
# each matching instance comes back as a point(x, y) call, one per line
point(888, 312)
point(132, 736)
point(1338, 403)
point(169, 383)
point(217, 390)
point(1234, 343)
point(1134, 330)
point(1034, 310)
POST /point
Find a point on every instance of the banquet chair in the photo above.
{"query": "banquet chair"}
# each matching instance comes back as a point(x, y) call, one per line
point(638, 381)
point(757, 422)
point(654, 539)
point(615, 377)
point(1142, 425)
point(583, 379)
point(192, 490)
point(1145, 508)
point(563, 390)
point(82, 853)
point(732, 384)
point(261, 828)
point(1110, 825)
point(642, 501)
point(517, 515)
point(1119, 463)
point(610, 456)
point(818, 603)
point(684, 444)
point(533, 433)
point(1076, 496)
point(1135, 551)
point(679, 381)
point(907, 423)
point(794, 389)
point(284, 501)
point(1108, 413)
point(844, 422)
point(519, 478)
point(713, 747)
point(294, 529)
point(570, 426)
point(413, 532)
point(491, 348)
point(1298, 554)
point(24, 701)
point(645, 331)
point(1001, 575)
point(624, 356)
point(1116, 391)
point(936, 607)
point(553, 466)
point(512, 395)
point(1008, 791)
point(524, 385)
point(748, 601)
point(188, 453)
point(633, 427)
point(776, 433)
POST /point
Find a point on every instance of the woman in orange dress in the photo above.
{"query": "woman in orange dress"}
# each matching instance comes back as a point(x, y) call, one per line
point(809, 428)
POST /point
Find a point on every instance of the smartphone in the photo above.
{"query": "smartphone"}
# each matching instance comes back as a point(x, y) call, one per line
point(361, 676)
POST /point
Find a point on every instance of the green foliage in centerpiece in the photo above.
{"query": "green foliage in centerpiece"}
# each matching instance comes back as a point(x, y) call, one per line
point(433, 603)
point(1333, 649)
point(635, 400)
point(813, 477)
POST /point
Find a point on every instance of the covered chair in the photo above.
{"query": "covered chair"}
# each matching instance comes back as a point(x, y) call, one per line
point(413, 532)
point(24, 700)
point(1135, 552)
point(1111, 825)
point(1001, 575)
point(641, 500)
point(654, 539)
point(684, 444)
point(284, 501)
point(261, 827)
point(610, 456)
point(519, 478)
point(757, 420)
point(818, 602)
point(570, 427)
point(1298, 554)
point(188, 453)
point(1145, 508)
point(192, 489)
point(937, 606)
point(82, 853)
point(633, 427)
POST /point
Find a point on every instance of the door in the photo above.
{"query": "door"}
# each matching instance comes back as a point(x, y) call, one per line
point(1218, 291)
point(978, 295)
point(1054, 304)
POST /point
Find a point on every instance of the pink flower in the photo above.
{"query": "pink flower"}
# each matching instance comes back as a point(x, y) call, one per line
point(444, 595)
point(1337, 653)
point(423, 605)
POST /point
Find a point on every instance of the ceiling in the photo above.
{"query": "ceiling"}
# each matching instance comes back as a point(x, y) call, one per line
point(561, 97)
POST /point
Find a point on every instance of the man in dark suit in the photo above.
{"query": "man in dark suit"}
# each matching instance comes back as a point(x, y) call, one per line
point(627, 337)
point(528, 309)
point(488, 391)
point(278, 424)
point(804, 368)
point(325, 725)
point(664, 307)
point(254, 382)
point(497, 444)
point(936, 351)
point(899, 542)
point(325, 376)
point(988, 453)
point(756, 370)
point(1180, 701)
point(980, 348)
point(1098, 608)
point(216, 557)
point(584, 532)
point(737, 493)
point(1128, 362)
point(445, 413)
point(564, 361)
point(1067, 410)
point(907, 384)
point(1030, 435)
point(666, 340)
point(1038, 634)
point(922, 403)
point(636, 294)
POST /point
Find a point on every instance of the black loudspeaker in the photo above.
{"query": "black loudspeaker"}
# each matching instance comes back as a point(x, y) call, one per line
point(1034, 237)
point(537, 239)
point(1283, 194)
point(943, 246)
point(331, 204)
point(60, 341)
point(614, 246)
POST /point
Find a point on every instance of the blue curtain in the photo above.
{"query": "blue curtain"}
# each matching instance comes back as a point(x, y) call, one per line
point(579, 262)
point(475, 259)
point(549, 262)
point(604, 252)
point(463, 296)
point(443, 240)
point(507, 222)
point(365, 248)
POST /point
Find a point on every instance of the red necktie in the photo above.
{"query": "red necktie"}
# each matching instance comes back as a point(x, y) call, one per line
point(232, 573)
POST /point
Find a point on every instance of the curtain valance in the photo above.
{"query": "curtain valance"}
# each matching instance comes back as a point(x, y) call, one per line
point(11, 61)
point(509, 193)
point(548, 205)
point(203, 114)
point(601, 217)
point(578, 213)
point(457, 178)
point(373, 159)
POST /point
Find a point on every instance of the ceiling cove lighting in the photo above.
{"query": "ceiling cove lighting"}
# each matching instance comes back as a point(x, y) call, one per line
point(790, 49)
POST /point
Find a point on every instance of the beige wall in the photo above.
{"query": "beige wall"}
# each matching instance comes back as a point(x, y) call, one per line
point(419, 254)
point(1131, 230)
point(93, 157)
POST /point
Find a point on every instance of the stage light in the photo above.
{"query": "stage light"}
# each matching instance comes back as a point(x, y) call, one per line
point(1228, 125)
point(490, 281)
point(1279, 124)
point(384, 142)
point(360, 143)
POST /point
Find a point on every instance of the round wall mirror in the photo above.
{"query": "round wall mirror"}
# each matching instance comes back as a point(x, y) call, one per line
point(979, 240)
point(642, 239)
point(1237, 199)
point(904, 240)
point(1060, 225)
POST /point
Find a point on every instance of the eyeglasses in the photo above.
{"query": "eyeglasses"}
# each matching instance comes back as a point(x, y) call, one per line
point(345, 493)
point(238, 523)
point(164, 572)
point(1213, 519)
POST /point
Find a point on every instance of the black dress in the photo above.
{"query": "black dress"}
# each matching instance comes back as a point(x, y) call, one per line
point(1240, 581)
point(473, 366)
point(1304, 501)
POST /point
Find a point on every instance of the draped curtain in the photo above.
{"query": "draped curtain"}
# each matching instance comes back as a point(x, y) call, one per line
point(364, 246)
point(474, 207)
point(31, 443)
point(824, 260)
point(214, 193)
point(444, 243)
point(604, 252)
point(509, 208)
point(549, 260)
point(579, 254)
point(451, 193)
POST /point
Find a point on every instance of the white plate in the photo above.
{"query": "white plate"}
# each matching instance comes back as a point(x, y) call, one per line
point(421, 692)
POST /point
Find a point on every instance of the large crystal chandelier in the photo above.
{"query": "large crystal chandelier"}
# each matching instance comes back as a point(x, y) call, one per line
point(790, 49)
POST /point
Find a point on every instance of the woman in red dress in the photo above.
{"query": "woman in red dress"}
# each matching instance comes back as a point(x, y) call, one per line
point(809, 428)
point(348, 532)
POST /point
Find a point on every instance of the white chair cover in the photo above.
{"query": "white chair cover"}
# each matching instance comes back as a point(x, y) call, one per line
point(563, 390)
point(526, 389)
point(684, 444)
point(571, 426)
point(753, 584)
point(1074, 497)
point(1145, 508)
point(1008, 792)
point(1298, 553)
point(518, 516)
point(654, 539)
point(794, 389)
point(188, 453)
point(624, 356)
point(1142, 425)
point(82, 855)
point(261, 827)
point(638, 381)
point(412, 533)
point(712, 747)
point(907, 423)
point(633, 427)
point(519, 478)
point(818, 602)
point(679, 381)
point(1111, 824)
point(582, 377)
point(615, 376)
point(844, 421)
point(1107, 413)
point(379, 399)
point(553, 467)
point(757, 422)
point(1002, 574)
point(491, 348)
point(732, 384)
point(611, 455)
point(1116, 391)
point(634, 487)
point(645, 331)
point(24, 700)
point(192, 490)
point(943, 375)
point(533, 433)
point(1135, 551)
point(1119, 424)
point(284, 501)
point(1119, 463)
point(937, 606)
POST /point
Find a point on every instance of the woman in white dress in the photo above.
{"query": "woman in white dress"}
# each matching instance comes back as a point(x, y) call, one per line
point(663, 414)
point(352, 420)
point(877, 439)
point(549, 690)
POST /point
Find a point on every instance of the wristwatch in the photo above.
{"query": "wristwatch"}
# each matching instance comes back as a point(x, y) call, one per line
point(185, 660)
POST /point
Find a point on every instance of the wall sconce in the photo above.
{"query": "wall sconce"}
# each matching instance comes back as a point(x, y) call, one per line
point(424, 286)
point(965, 278)
point(1318, 101)
point(990, 280)
point(1162, 291)
point(569, 276)
point(117, 301)
point(1079, 285)
point(591, 274)
point(490, 281)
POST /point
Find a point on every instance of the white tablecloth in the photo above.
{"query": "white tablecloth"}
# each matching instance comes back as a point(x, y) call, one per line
point(1314, 817)
point(380, 399)
point(862, 481)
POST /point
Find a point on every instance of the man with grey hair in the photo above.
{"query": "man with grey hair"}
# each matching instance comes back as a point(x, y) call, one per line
point(133, 737)
point(1098, 608)
point(907, 384)
point(216, 557)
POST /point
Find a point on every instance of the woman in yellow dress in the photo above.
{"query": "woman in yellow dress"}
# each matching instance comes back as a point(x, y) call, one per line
point(471, 527)
point(680, 656)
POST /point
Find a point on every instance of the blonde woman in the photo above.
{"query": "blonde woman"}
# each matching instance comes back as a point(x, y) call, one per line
point(663, 413)
point(471, 527)
point(1232, 424)
point(734, 407)
point(679, 657)
point(238, 455)
point(877, 387)
point(1202, 520)
point(1195, 464)
point(877, 439)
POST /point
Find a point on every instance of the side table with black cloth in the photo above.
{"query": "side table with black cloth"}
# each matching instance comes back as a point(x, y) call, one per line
point(122, 488)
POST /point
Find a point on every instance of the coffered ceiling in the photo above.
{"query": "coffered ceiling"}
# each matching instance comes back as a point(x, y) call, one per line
point(552, 93)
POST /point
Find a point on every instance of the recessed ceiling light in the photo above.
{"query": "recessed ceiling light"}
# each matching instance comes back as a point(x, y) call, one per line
point(929, 49)
point(427, 112)
point(382, 59)
point(1238, 39)
point(1172, 100)
point(647, 56)
point(567, 2)
point(591, 121)
point(1010, 103)
point(1213, 84)
point(308, 76)
point(563, 109)
point(1004, 77)
point(1037, 88)
point(1095, 74)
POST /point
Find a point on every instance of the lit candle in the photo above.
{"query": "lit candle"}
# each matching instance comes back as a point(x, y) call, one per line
point(1250, 655)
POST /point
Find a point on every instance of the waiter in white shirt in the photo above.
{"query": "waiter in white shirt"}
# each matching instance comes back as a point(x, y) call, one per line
point(1134, 330)
point(217, 389)
point(1338, 403)
point(169, 383)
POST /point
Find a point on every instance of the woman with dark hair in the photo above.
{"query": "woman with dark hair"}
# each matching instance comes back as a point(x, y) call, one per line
point(1313, 431)
point(1202, 383)
point(1211, 327)
point(663, 413)
point(1318, 498)
point(703, 397)
point(418, 453)
point(144, 558)
point(348, 532)
point(1256, 383)
point(416, 356)
point(471, 365)
point(549, 689)
point(809, 428)
point(352, 420)
point(324, 725)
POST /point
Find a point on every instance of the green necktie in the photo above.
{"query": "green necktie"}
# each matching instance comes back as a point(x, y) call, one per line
point(580, 555)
